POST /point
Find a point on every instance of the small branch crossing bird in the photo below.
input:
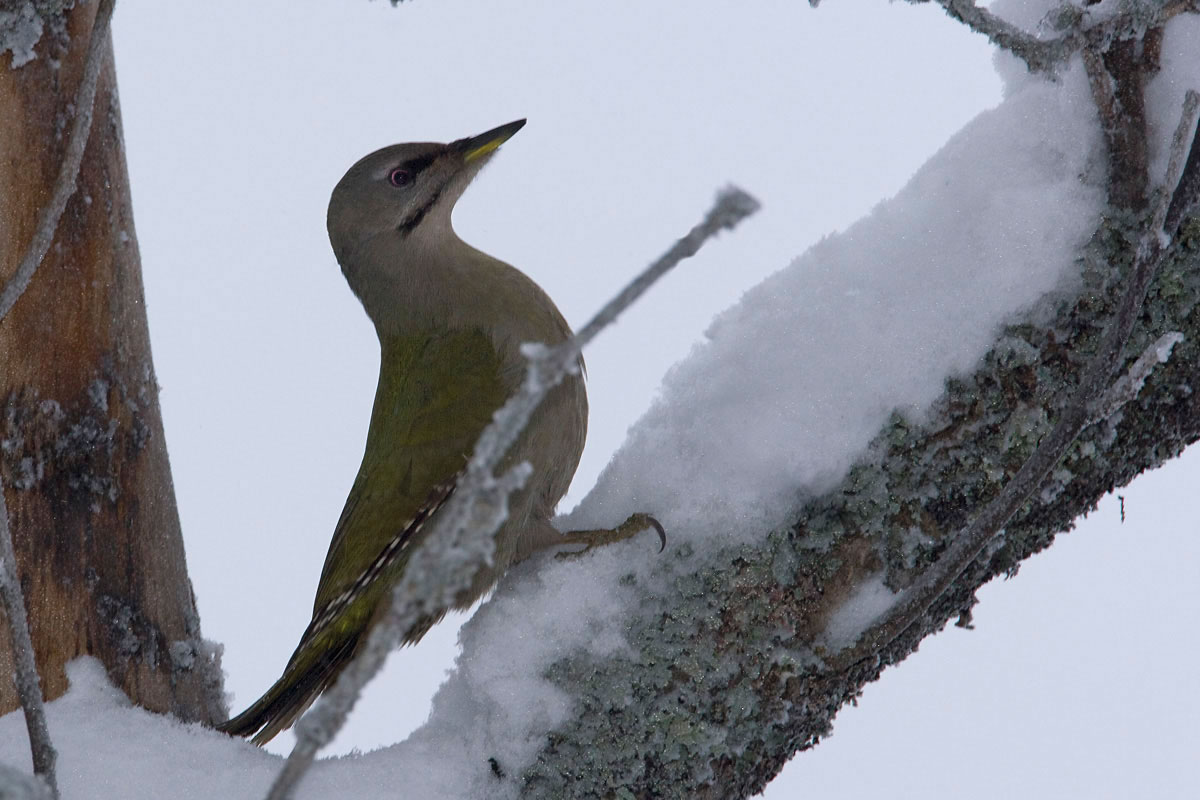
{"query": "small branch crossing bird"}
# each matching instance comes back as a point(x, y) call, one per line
point(451, 321)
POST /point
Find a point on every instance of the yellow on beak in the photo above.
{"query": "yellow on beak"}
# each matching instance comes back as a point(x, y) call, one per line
point(485, 143)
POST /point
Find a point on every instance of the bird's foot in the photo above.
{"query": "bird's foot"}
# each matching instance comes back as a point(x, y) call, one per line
point(602, 536)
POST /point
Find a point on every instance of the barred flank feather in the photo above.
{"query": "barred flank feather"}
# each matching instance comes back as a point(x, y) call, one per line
point(291, 695)
point(334, 635)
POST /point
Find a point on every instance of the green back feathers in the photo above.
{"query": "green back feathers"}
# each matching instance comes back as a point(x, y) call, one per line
point(436, 394)
point(437, 391)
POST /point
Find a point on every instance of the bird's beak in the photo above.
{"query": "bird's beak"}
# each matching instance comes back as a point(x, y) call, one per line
point(485, 143)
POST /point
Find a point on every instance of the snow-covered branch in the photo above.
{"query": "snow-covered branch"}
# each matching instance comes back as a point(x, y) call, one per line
point(1077, 28)
point(1038, 54)
point(734, 658)
point(462, 541)
point(1095, 390)
point(747, 653)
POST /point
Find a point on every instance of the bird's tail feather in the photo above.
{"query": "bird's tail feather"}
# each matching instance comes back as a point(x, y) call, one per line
point(302, 682)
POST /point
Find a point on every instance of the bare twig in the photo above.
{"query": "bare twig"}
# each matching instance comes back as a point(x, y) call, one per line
point(1187, 192)
point(1038, 55)
point(64, 185)
point(1104, 93)
point(1175, 164)
point(1046, 55)
point(29, 690)
point(733, 205)
point(462, 541)
point(1127, 387)
point(971, 541)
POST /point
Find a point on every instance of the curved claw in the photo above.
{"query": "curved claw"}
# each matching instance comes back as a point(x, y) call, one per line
point(626, 530)
point(640, 522)
point(660, 530)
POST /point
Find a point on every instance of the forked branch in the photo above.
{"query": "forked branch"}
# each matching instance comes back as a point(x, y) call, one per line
point(1095, 389)
point(1046, 55)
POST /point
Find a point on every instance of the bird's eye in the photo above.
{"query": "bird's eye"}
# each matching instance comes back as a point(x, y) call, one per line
point(400, 177)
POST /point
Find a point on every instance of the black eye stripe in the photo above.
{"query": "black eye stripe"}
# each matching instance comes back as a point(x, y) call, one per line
point(415, 165)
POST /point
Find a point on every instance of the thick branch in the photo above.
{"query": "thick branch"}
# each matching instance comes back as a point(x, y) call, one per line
point(1046, 55)
point(730, 660)
point(1117, 77)
point(968, 544)
point(739, 662)
point(1080, 411)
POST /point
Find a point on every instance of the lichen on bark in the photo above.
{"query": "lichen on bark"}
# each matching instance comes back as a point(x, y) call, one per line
point(727, 679)
point(91, 504)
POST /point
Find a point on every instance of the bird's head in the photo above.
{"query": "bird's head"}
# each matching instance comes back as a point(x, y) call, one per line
point(406, 188)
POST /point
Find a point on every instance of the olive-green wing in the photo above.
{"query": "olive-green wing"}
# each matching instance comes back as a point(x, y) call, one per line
point(436, 394)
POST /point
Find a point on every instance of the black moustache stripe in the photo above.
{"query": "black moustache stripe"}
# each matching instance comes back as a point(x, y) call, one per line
point(407, 226)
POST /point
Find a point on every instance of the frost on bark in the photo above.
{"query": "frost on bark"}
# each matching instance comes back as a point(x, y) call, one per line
point(83, 458)
point(734, 670)
point(728, 680)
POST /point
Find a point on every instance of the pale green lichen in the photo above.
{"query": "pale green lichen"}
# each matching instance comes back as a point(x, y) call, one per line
point(723, 683)
point(77, 443)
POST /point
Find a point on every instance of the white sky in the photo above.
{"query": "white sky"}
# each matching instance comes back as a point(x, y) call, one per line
point(238, 124)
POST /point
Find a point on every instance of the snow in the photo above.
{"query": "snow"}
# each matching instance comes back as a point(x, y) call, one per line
point(865, 605)
point(786, 391)
point(109, 749)
point(1164, 94)
point(20, 30)
point(794, 381)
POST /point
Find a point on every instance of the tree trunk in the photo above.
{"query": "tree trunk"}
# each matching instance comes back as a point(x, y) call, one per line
point(99, 550)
